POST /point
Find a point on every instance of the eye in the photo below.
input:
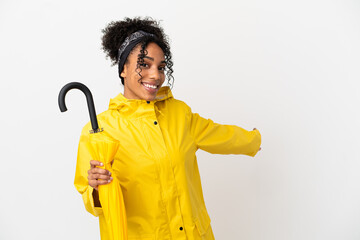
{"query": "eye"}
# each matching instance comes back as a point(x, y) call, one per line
point(162, 68)
point(143, 64)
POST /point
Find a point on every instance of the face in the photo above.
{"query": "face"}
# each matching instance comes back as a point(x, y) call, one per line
point(152, 72)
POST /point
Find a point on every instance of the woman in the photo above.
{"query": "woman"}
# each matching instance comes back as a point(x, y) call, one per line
point(158, 135)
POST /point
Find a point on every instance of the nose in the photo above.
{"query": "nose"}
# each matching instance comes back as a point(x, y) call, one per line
point(155, 73)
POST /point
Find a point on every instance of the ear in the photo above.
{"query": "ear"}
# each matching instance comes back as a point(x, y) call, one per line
point(124, 71)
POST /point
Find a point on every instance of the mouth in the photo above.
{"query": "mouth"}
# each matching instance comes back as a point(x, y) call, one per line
point(152, 88)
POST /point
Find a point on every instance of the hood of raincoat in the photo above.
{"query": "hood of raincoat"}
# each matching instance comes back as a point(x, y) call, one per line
point(121, 102)
point(156, 164)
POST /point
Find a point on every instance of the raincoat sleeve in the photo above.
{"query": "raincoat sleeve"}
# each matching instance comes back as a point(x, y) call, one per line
point(223, 139)
point(82, 166)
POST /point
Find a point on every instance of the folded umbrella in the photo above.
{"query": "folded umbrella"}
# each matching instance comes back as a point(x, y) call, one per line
point(113, 225)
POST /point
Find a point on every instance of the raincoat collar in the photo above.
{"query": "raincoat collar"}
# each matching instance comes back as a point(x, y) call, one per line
point(121, 101)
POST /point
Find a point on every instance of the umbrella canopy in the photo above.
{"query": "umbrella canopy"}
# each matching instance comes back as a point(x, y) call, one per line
point(113, 224)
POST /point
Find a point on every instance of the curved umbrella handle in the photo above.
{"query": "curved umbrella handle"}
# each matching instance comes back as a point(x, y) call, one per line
point(89, 99)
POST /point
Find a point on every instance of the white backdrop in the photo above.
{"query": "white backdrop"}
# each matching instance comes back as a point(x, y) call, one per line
point(288, 68)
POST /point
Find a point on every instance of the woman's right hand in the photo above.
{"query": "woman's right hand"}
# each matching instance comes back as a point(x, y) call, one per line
point(96, 173)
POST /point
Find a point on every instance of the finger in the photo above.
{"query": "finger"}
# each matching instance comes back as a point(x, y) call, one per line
point(254, 129)
point(96, 183)
point(103, 182)
point(99, 171)
point(94, 163)
point(98, 176)
point(259, 148)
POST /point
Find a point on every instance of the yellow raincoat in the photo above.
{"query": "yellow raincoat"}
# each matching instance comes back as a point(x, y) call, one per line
point(156, 164)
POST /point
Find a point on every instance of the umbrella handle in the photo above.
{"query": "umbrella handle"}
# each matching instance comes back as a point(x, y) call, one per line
point(89, 99)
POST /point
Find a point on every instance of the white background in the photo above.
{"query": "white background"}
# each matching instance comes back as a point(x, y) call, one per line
point(288, 68)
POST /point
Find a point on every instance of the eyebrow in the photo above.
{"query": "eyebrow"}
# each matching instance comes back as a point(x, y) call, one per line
point(152, 59)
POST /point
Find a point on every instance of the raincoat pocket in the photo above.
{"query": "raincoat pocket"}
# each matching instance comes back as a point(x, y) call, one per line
point(202, 222)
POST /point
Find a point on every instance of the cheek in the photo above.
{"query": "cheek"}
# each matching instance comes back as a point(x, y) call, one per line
point(135, 77)
point(163, 76)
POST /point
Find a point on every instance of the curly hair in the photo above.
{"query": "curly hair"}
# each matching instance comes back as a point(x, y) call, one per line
point(115, 33)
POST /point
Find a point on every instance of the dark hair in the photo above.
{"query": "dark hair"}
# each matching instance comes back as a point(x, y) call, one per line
point(116, 32)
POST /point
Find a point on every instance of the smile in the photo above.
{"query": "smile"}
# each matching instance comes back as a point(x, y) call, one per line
point(150, 87)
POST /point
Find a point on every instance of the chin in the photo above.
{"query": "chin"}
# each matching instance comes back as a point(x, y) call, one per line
point(149, 98)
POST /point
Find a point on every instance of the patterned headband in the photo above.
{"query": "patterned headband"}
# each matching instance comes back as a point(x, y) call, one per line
point(134, 37)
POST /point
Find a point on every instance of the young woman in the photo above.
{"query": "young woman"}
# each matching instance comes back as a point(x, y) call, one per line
point(158, 136)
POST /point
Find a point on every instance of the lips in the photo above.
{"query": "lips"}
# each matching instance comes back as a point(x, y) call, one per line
point(152, 88)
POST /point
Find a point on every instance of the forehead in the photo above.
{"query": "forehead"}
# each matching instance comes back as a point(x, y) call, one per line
point(153, 51)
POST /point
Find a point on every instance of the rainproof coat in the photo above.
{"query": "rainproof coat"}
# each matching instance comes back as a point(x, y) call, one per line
point(156, 164)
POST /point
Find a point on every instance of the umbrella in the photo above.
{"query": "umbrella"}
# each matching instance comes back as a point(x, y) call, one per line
point(103, 148)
